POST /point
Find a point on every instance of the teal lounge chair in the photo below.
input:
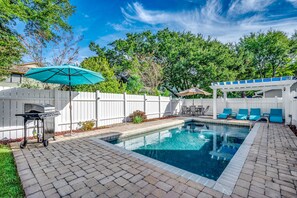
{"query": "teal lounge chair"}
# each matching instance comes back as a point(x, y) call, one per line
point(276, 115)
point(255, 114)
point(227, 112)
point(242, 114)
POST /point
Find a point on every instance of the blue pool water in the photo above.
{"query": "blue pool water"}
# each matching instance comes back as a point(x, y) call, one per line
point(203, 149)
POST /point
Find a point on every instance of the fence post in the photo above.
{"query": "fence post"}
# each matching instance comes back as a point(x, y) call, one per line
point(144, 103)
point(97, 100)
point(57, 106)
point(159, 106)
point(170, 105)
point(125, 106)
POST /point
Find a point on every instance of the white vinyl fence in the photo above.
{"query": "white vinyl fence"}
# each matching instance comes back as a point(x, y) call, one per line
point(236, 103)
point(103, 108)
point(293, 108)
point(107, 109)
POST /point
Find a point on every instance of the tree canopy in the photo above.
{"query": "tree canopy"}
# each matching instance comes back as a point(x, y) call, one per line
point(175, 61)
point(110, 85)
point(42, 19)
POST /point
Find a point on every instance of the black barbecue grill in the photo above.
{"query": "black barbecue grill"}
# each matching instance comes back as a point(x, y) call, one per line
point(39, 112)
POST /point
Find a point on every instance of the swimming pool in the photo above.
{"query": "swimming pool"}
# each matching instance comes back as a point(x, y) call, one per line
point(203, 149)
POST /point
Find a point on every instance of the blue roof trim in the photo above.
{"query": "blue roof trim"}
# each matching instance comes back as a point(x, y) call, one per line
point(260, 80)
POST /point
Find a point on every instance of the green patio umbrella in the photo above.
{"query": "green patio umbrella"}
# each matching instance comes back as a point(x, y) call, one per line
point(66, 75)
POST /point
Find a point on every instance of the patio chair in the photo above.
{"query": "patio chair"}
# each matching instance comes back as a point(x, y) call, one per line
point(226, 113)
point(255, 114)
point(242, 114)
point(193, 110)
point(276, 115)
point(205, 110)
point(185, 110)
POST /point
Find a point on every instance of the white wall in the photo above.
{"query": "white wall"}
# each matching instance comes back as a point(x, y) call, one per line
point(103, 108)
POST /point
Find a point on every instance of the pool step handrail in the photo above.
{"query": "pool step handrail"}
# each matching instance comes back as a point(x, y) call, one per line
point(252, 123)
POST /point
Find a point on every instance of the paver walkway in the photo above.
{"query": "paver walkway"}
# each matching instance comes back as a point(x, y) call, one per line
point(83, 168)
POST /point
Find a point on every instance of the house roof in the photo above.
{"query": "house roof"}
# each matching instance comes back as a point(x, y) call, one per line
point(23, 68)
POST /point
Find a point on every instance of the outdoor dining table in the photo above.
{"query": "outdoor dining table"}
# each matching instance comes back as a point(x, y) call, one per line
point(188, 110)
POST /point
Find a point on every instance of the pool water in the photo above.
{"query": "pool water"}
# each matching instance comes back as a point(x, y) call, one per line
point(203, 149)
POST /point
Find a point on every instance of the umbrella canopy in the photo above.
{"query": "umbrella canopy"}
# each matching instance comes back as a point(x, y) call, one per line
point(193, 91)
point(66, 75)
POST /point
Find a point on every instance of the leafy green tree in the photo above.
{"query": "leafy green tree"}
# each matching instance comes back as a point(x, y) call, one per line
point(43, 19)
point(10, 52)
point(110, 85)
point(134, 85)
point(193, 60)
point(180, 60)
point(269, 51)
point(136, 56)
point(292, 66)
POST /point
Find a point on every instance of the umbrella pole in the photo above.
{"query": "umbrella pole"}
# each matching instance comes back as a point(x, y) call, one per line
point(70, 108)
point(70, 104)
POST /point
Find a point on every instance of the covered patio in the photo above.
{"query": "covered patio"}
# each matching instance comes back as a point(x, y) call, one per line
point(284, 83)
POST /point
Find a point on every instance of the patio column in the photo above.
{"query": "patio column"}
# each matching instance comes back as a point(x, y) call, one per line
point(225, 98)
point(286, 103)
point(214, 106)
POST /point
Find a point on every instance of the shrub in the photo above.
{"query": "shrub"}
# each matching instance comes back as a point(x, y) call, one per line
point(87, 125)
point(138, 113)
point(137, 120)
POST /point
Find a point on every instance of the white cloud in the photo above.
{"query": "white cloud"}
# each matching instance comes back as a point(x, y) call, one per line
point(84, 52)
point(245, 6)
point(294, 2)
point(81, 30)
point(209, 20)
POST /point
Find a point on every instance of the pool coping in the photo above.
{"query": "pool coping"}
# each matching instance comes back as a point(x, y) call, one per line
point(225, 183)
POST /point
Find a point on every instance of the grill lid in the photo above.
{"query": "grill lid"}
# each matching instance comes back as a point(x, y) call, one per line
point(38, 108)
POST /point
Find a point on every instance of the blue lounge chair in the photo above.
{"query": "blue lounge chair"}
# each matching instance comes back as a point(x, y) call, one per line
point(227, 112)
point(242, 114)
point(276, 115)
point(255, 114)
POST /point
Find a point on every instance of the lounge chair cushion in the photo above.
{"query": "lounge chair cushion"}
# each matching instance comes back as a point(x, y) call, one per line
point(276, 115)
point(242, 114)
point(225, 114)
point(255, 114)
point(254, 117)
point(241, 117)
point(277, 119)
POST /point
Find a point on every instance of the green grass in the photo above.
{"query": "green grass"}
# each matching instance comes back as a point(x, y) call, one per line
point(10, 184)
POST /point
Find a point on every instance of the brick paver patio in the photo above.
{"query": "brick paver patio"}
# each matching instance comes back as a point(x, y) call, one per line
point(80, 167)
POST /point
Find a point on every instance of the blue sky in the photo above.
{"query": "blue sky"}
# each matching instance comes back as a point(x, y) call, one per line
point(104, 21)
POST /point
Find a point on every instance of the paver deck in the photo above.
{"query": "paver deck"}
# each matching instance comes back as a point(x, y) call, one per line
point(80, 167)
